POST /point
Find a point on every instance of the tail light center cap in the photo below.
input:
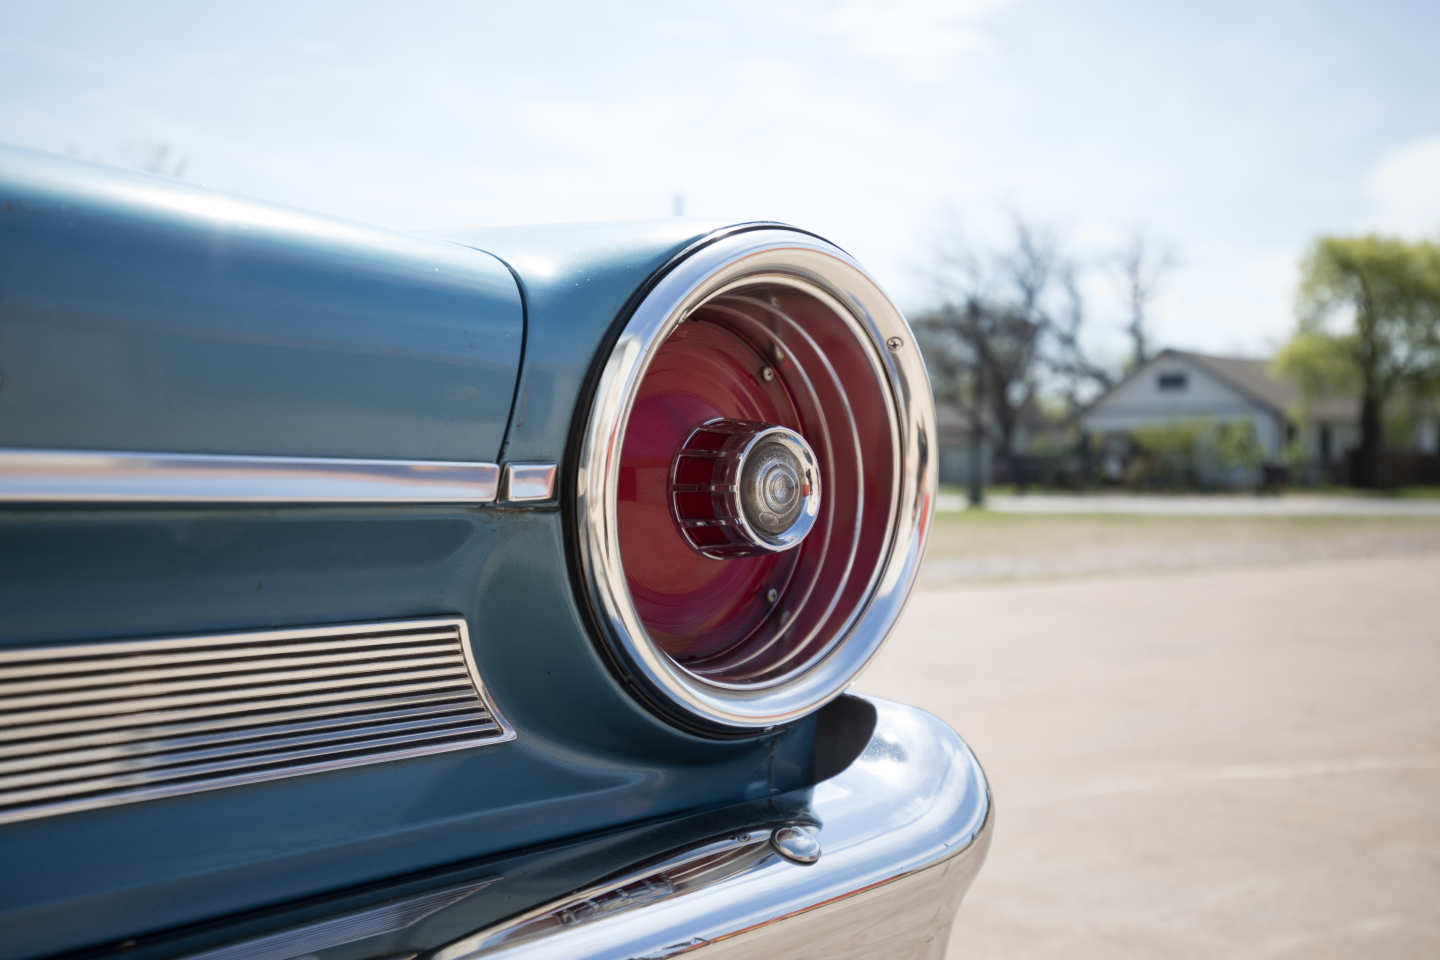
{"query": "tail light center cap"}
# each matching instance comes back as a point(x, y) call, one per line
point(771, 488)
point(743, 488)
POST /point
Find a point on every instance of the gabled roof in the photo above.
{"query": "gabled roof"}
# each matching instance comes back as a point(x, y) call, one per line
point(1252, 377)
point(1248, 375)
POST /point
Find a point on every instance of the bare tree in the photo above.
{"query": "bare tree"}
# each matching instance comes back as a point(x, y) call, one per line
point(997, 346)
point(1010, 323)
point(1140, 266)
point(1013, 324)
point(1078, 376)
point(949, 337)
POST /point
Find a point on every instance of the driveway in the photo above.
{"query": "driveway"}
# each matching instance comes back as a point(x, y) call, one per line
point(1240, 761)
point(1180, 505)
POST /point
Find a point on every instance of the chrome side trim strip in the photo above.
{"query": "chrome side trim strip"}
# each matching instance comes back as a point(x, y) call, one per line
point(89, 476)
point(902, 832)
point(99, 724)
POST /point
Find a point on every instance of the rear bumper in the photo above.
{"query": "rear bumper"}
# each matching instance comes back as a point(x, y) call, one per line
point(902, 832)
point(901, 817)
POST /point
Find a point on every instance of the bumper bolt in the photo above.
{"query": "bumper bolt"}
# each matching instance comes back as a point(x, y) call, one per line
point(797, 844)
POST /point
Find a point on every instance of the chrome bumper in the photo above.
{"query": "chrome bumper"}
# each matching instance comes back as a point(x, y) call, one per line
point(902, 831)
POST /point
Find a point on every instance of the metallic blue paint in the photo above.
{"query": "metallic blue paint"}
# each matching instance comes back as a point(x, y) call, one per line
point(136, 313)
point(142, 314)
point(576, 281)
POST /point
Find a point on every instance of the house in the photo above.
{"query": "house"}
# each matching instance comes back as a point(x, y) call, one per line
point(957, 447)
point(1178, 385)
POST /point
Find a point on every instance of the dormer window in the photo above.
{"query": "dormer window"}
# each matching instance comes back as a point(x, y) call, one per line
point(1172, 380)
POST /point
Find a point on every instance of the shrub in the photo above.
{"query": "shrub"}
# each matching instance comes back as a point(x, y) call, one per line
point(1193, 455)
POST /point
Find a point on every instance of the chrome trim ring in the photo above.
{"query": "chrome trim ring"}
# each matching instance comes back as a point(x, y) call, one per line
point(797, 260)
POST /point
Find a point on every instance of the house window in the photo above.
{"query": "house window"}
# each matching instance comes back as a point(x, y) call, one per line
point(1172, 380)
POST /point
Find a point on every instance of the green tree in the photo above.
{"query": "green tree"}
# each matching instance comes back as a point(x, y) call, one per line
point(1369, 324)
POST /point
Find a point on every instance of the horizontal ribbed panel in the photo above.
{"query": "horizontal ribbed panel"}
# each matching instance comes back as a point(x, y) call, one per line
point(91, 725)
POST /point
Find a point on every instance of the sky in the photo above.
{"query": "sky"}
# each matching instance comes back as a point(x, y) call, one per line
point(1231, 132)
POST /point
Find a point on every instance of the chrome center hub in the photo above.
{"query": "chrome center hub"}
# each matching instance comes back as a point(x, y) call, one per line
point(742, 488)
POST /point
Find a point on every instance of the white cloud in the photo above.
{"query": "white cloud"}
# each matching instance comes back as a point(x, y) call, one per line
point(1404, 189)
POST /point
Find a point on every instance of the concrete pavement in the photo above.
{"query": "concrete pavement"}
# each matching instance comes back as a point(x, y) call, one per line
point(1239, 762)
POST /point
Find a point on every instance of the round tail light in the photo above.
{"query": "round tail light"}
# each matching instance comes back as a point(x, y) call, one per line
point(756, 480)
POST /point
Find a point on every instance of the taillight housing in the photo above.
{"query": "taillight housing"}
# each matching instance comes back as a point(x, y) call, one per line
point(755, 481)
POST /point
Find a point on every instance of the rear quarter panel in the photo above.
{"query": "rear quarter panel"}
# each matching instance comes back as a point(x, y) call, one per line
point(137, 314)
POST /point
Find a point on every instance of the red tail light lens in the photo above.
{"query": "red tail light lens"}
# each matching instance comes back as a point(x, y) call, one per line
point(759, 481)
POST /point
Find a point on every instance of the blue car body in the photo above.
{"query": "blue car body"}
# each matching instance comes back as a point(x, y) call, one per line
point(144, 315)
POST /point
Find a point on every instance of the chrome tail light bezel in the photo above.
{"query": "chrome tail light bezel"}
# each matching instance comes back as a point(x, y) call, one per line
point(770, 255)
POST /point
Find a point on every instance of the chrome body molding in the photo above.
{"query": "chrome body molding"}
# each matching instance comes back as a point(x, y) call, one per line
point(802, 262)
point(899, 835)
point(92, 476)
point(101, 724)
point(528, 483)
point(385, 920)
point(122, 476)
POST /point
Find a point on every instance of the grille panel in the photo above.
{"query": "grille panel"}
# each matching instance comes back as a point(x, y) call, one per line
point(94, 725)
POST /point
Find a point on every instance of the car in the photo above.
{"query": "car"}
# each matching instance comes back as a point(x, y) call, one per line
point(365, 595)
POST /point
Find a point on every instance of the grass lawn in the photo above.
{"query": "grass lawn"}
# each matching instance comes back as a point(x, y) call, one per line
point(1424, 492)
